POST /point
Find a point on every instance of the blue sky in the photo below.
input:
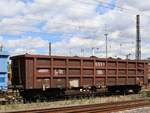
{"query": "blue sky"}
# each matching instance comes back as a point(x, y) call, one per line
point(72, 25)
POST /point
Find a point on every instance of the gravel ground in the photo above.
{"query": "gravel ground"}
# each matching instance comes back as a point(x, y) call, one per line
point(139, 110)
point(74, 102)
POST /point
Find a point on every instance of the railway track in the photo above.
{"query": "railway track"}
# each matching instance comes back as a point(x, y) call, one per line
point(94, 108)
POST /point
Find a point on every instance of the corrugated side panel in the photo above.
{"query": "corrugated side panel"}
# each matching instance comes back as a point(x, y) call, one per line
point(59, 82)
point(111, 81)
point(87, 82)
point(146, 74)
point(100, 82)
point(121, 80)
point(18, 72)
point(74, 62)
point(29, 73)
point(42, 73)
point(15, 72)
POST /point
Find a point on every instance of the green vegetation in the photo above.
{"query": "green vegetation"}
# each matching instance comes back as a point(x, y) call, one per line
point(145, 94)
point(70, 102)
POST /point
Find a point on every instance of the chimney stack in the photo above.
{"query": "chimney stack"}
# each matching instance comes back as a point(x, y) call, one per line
point(138, 38)
point(50, 49)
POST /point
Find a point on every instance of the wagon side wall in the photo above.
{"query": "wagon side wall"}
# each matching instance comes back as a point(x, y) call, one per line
point(70, 72)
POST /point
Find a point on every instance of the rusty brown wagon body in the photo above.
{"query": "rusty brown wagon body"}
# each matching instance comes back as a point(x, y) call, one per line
point(33, 72)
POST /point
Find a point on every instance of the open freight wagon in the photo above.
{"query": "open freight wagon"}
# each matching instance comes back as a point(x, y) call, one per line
point(54, 75)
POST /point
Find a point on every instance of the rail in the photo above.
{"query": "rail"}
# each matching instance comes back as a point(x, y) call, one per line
point(94, 108)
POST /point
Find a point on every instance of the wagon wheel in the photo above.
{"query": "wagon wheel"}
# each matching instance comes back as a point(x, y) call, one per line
point(93, 92)
point(111, 91)
point(37, 98)
point(43, 98)
point(136, 89)
point(123, 91)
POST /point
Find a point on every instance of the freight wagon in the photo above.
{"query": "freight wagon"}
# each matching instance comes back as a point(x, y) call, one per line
point(3, 71)
point(41, 76)
point(4, 61)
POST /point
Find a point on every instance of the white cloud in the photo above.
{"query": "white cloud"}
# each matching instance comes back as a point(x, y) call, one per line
point(19, 51)
point(26, 45)
point(65, 15)
point(11, 7)
point(138, 4)
point(69, 16)
point(27, 42)
point(1, 41)
point(76, 42)
point(18, 25)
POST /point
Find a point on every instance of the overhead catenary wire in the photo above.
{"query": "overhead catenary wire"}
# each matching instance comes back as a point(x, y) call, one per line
point(115, 6)
point(79, 27)
point(94, 2)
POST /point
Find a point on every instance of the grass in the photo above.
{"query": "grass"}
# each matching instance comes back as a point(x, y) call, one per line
point(145, 94)
point(73, 102)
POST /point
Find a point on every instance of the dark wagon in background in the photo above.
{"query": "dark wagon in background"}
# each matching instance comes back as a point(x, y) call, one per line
point(41, 76)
